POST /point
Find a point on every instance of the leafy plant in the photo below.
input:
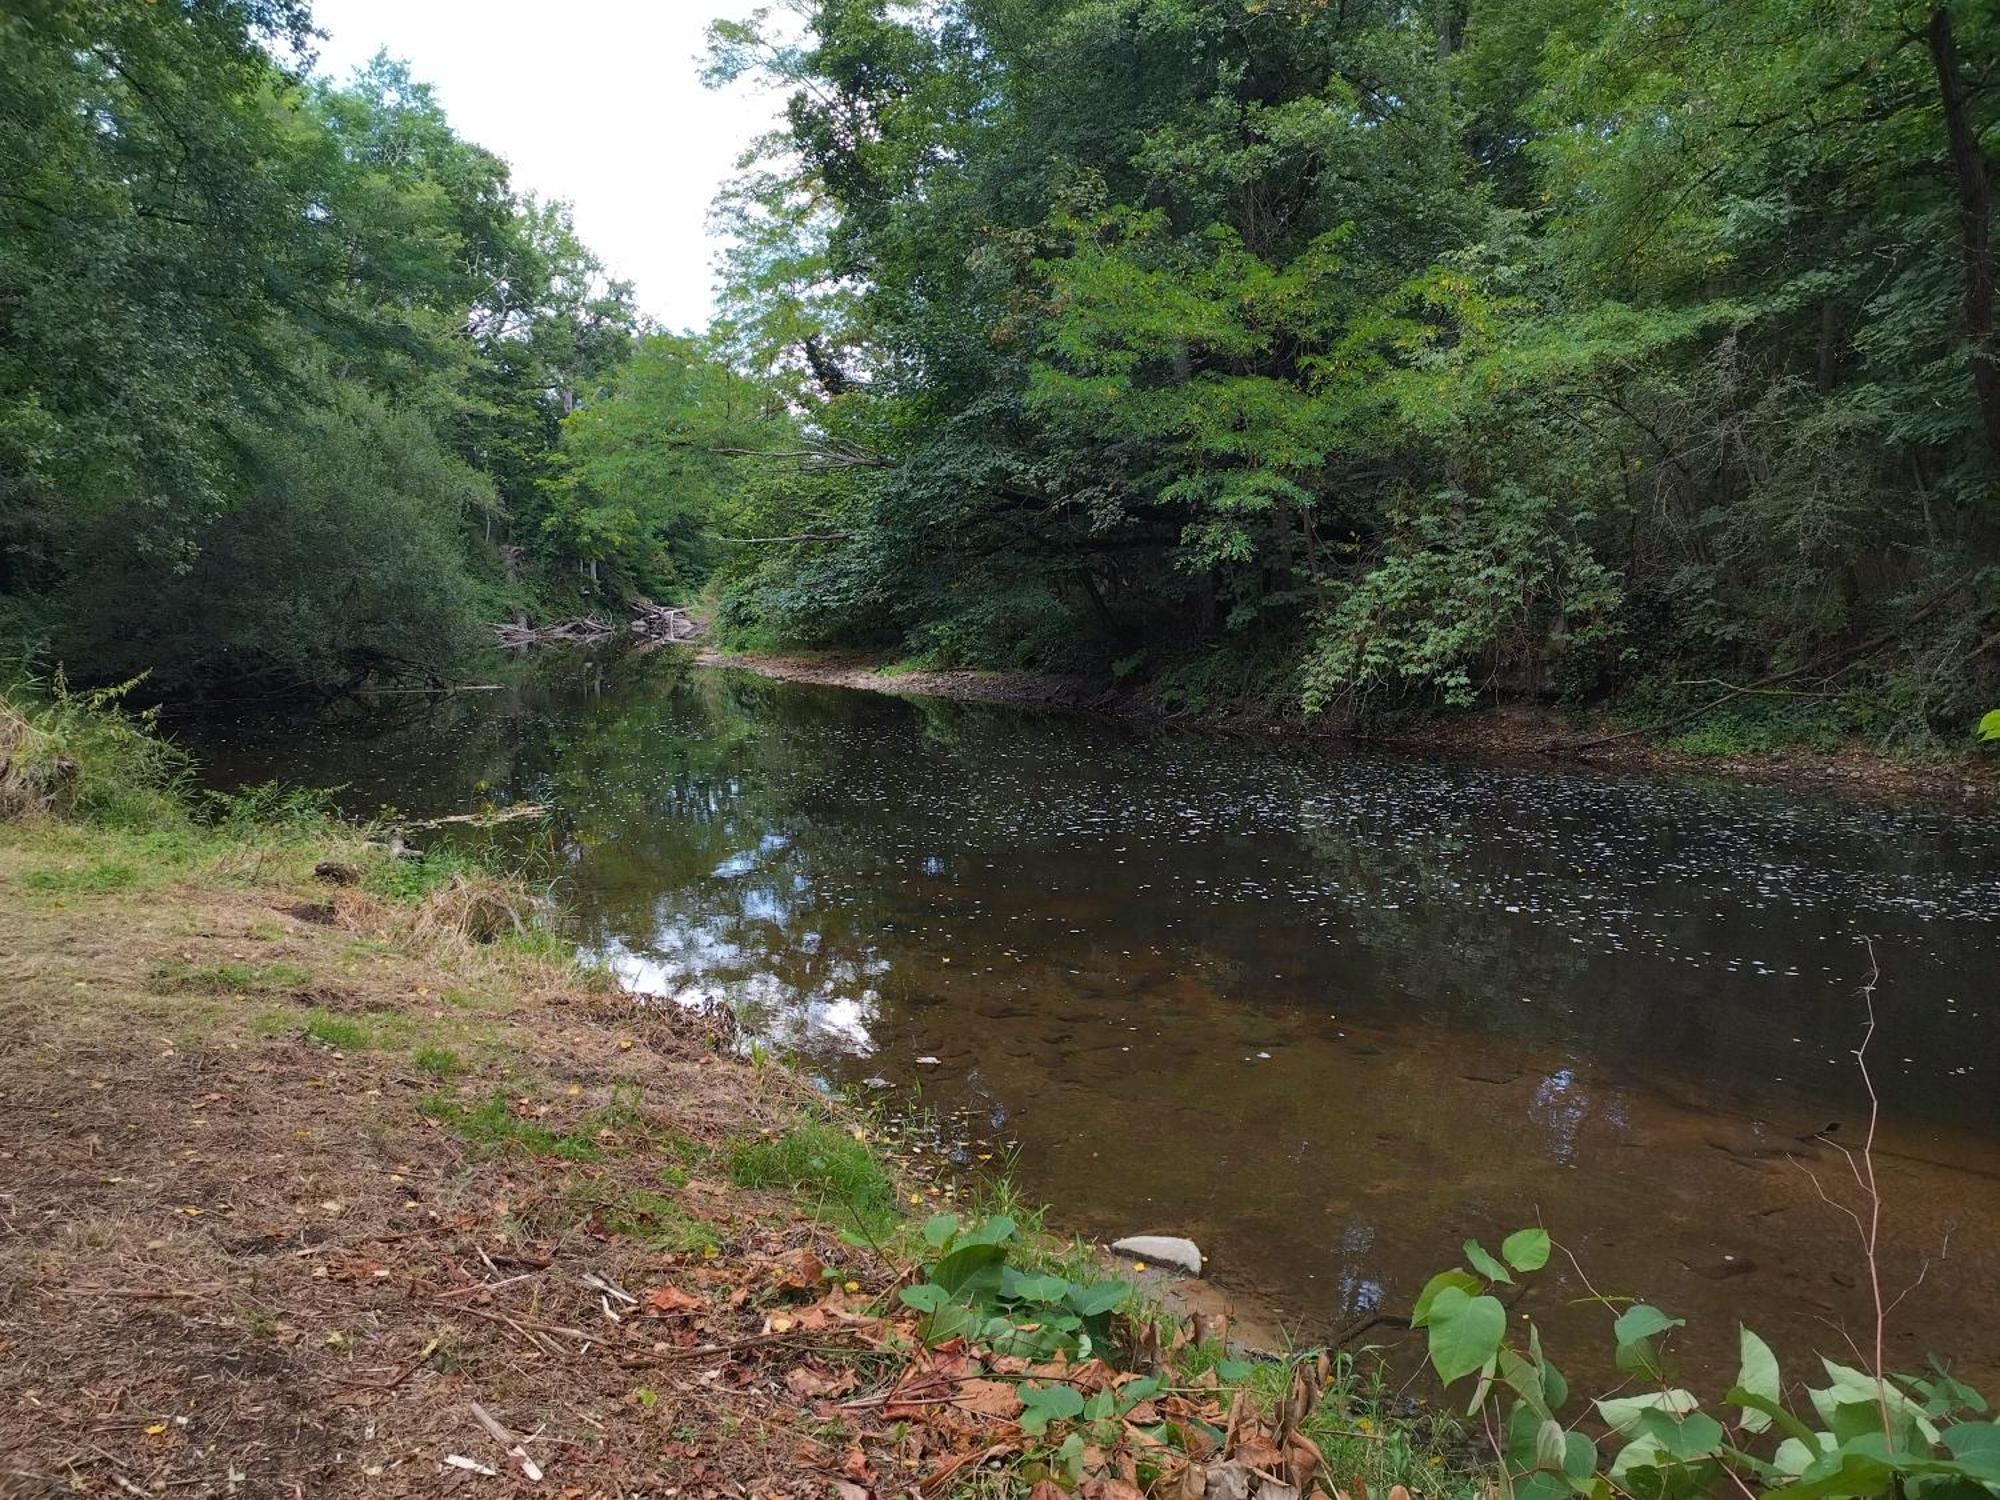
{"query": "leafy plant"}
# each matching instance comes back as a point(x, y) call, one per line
point(1874, 1434)
point(970, 1290)
point(1989, 726)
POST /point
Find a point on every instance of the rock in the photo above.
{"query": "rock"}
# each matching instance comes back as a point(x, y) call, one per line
point(927, 1061)
point(1162, 1249)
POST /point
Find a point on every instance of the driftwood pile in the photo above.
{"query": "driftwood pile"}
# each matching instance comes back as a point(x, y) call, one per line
point(651, 622)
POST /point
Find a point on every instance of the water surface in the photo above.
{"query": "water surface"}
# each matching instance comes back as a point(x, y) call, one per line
point(1328, 1013)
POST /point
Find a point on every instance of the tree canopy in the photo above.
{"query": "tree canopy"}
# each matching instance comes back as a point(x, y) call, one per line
point(1386, 353)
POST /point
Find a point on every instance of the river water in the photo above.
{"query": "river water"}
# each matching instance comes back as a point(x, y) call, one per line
point(1327, 1013)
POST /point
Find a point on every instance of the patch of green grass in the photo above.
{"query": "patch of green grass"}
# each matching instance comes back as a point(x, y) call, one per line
point(410, 880)
point(658, 1220)
point(106, 875)
point(341, 1032)
point(820, 1162)
point(493, 1122)
point(178, 977)
point(440, 1062)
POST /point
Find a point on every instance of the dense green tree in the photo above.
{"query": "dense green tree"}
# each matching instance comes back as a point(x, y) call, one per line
point(283, 361)
point(1394, 351)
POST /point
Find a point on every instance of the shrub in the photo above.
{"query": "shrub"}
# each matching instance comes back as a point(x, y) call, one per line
point(1876, 1434)
point(66, 754)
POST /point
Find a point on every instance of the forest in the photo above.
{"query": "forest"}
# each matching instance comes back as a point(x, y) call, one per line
point(1332, 356)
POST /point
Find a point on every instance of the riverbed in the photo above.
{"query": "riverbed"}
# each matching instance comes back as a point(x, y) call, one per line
point(1328, 1013)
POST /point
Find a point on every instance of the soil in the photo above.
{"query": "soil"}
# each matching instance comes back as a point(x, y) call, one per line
point(235, 1260)
point(1515, 732)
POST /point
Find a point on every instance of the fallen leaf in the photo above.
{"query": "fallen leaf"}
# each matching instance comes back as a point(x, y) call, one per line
point(809, 1384)
point(671, 1299)
point(988, 1398)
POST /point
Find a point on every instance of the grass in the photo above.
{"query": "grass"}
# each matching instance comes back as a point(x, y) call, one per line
point(441, 1063)
point(657, 1220)
point(177, 976)
point(823, 1164)
point(105, 875)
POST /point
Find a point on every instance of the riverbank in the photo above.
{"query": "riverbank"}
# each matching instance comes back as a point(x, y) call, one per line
point(327, 1172)
point(1518, 732)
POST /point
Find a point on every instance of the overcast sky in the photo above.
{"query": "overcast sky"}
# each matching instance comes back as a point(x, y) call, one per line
point(596, 101)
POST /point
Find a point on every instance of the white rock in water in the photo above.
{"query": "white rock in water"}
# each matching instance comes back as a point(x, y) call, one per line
point(927, 1061)
point(1166, 1249)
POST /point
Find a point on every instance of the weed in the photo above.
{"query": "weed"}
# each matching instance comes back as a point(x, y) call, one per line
point(66, 754)
point(411, 880)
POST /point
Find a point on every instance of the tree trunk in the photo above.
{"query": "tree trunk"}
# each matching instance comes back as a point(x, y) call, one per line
point(1975, 215)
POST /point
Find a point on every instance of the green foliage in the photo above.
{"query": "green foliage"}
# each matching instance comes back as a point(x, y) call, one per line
point(1524, 347)
point(1989, 726)
point(817, 1160)
point(70, 754)
point(1464, 584)
point(410, 880)
point(1875, 1434)
point(974, 1287)
point(283, 360)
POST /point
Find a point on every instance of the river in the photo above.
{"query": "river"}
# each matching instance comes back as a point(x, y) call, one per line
point(1328, 1013)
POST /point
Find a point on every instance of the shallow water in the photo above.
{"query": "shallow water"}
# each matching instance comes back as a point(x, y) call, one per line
point(1327, 1013)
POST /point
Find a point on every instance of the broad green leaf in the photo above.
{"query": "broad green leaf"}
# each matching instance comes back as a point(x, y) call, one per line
point(1090, 1301)
point(1551, 1443)
point(1477, 1256)
point(928, 1297)
point(1621, 1413)
point(939, 1228)
point(1757, 1372)
point(1465, 1332)
point(1526, 1249)
point(1042, 1404)
point(1989, 726)
point(1687, 1438)
point(971, 1271)
point(1640, 1321)
point(1776, 1412)
point(1463, 1280)
point(993, 1231)
point(1976, 1445)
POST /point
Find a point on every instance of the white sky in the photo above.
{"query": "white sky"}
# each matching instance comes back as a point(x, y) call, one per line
point(596, 101)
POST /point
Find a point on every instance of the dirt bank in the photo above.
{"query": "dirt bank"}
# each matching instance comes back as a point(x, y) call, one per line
point(1515, 733)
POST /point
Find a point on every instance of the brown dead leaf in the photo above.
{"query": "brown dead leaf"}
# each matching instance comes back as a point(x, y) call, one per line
point(1111, 1489)
point(809, 1384)
point(665, 1300)
point(1047, 1489)
point(988, 1398)
point(846, 1489)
